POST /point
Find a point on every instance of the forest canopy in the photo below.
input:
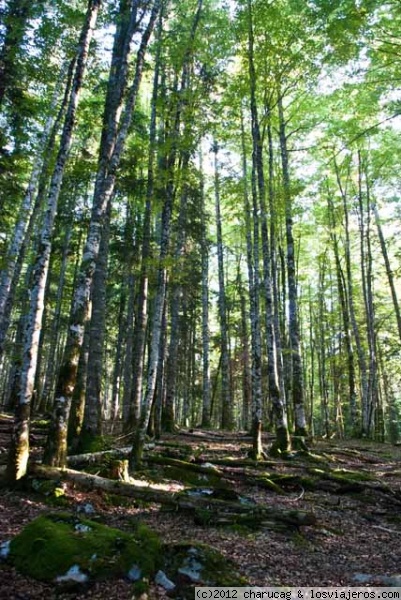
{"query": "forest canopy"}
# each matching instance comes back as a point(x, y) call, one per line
point(199, 216)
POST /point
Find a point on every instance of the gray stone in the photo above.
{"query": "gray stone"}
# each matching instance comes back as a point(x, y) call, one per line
point(82, 528)
point(362, 577)
point(74, 574)
point(162, 580)
point(391, 580)
point(135, 573)
point(4, 549)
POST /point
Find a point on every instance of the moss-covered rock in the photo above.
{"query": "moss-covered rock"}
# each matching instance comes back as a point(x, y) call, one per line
point(53, 545)
point(190, 564)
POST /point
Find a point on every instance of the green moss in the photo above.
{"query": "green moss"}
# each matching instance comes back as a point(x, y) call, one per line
point(353, 475)
point(51, 492)
point(187, 476)
point(139, 588)
point(50, 545)
point(89, 443)
point(41, 423)
point(117, 500)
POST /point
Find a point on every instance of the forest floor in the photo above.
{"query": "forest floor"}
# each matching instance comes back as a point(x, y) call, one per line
point(357, 530)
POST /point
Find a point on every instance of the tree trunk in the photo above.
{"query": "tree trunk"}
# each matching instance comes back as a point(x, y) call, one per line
point(156, 328)
point(389, 272)
point(54, 335)
point(175, 305)
point(346, 321)
point(19, 451)
point(112, 145)
point(297, 372)
point(205, 306)
point(31, 205)
point(141, 316)
point(252, 249)
point(350, 290)
point(227, 421)
point(91, 426)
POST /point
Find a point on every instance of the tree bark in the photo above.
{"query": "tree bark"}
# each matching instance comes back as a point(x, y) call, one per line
point(156, 328)
point(91, 426)
point(19, 451)
point(227, 421)
point(206, 416)
point(298, 391)
point(112, 145)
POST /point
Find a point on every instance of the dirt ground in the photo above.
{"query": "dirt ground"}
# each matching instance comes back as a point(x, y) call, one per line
point(357, 530)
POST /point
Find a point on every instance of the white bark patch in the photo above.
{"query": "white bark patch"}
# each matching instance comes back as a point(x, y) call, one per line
point(77, 329)
point(300, 417)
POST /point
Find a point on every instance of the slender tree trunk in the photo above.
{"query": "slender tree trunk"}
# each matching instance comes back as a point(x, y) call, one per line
point(350, 291)
point(321, 332)
point(276, 390)
point(127, 337)
point(161, 385)
point(157, 321)
point(19, 451)
point(31, 205)
point(280, 417)
point(141, 317)
point(246, 369)
point(54, 335)
point(118, 362)
point(227, 421)
point(346, 321)
point(374, 401)
point(112, 145)
point(205, 307)
point(274, 277)
point(369, 398)
point(252, 249)
point(297, 373)
point(93, 402)
point(389, 272)
point(176, 299)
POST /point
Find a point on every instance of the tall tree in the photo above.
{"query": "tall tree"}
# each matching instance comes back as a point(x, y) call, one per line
point(19, 452)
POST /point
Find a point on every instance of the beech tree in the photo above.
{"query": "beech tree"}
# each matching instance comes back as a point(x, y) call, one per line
point(209, 237)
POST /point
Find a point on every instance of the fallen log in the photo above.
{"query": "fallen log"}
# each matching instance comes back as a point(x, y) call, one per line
point(180, 500)
point(93, 458)
point(253, 519)
point(205, 469)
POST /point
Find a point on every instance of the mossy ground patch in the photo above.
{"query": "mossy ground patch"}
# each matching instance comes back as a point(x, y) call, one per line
point(50, 545)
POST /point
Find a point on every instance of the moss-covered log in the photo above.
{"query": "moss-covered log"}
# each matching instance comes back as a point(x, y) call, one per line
point(182, 464)
point(255, 519)
point(94, 458)
point(181, 501)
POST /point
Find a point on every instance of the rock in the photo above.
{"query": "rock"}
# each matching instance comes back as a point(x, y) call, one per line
point(362, 577)
point(391, 580)
point(135, 573)
point(5, 550)
point(162, 580)
point(73, 574)
point(86, 508)
point(48, 546)
point(192, 568)
point(188, 564)
point(198, 492)
point(82, 528)
point(386, 580)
